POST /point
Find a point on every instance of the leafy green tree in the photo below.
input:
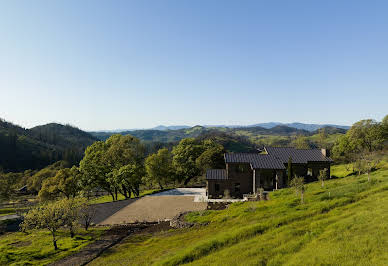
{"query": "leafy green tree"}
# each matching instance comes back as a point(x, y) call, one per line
point(34, 183)
point(322, 138)
point(65, 182)
point(6, 186)
point(128, 179)
point(298, 184)
point(50, 216)
point(212, 157)
point(345, 148)
point(322, 176)
point(384, 126)
point(300, 142)
point(159, 168)
point(184, 160)
point(366, 135)
point(102, 162)
point(72, 208)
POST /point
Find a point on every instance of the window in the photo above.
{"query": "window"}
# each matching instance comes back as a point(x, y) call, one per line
point(309, 172)
point(217, 187)
point(241, 168)
point(237, 187)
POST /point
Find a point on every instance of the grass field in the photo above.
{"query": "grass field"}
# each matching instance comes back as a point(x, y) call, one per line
point(344, 223)
point(35, 248)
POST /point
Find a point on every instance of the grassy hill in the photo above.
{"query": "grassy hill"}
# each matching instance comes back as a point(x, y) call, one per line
point(35, 148)
point(344, 223)
point(279, 135)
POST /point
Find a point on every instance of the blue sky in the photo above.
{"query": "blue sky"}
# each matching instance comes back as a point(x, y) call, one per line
point(137, 64)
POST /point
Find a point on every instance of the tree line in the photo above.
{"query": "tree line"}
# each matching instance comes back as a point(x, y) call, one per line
point(361, 145)
point(119, 165)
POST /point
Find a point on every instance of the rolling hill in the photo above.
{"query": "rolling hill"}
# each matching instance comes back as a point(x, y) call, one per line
point(40, 146)
point(279, 135)
point(343, 223)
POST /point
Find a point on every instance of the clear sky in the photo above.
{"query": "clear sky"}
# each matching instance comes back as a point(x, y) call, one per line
point(137, 64)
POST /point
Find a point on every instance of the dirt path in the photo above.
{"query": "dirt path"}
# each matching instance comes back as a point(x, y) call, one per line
point(110, 238)
point(153, 209)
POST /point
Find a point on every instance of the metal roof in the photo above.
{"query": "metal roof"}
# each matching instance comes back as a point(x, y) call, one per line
point(297, 155)
point(216, 174)
point(256, 160)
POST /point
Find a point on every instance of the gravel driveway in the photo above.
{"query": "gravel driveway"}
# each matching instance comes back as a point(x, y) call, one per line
point(153, 208)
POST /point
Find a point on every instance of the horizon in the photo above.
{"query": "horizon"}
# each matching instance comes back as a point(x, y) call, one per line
point(110, 65)
point(176, 125)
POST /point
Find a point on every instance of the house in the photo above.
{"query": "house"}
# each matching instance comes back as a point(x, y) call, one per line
point(245, 173)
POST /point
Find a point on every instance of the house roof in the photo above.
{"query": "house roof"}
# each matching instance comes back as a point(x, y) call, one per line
point(297, 155)
point(216, 174)
point(256, 160)
point(277, 157)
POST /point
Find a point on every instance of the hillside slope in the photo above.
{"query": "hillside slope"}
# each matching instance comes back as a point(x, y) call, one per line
point(35, 148)
point(344, 223)
point(256, 132)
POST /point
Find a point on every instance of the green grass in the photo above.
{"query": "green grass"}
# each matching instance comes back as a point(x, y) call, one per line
point(344, 223)
point(7, 211)
point(35, 248)
point(108, 198)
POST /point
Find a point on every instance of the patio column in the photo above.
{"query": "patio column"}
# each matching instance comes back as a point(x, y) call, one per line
point(254, 182)
point(276, 180)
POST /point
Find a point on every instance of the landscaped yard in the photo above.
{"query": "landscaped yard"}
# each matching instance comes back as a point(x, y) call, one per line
point(344, 223)
point(35, 247)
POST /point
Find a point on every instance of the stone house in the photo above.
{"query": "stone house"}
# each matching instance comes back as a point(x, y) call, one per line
point(245, 173)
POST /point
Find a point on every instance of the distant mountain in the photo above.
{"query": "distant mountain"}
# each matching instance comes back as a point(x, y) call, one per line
point(171, 135)
point(161, 127)
point(313, 127)
point(268, 125)
point(35, 148)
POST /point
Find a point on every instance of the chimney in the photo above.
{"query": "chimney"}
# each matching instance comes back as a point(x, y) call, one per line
point(325, 152)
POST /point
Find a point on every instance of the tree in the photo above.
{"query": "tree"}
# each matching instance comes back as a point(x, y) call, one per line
point(50, 216)
point(368, 161)
point(345, 148)
point(366, 135)
point(212, 157)
point(34, 183)
point(127, 179)
point(322, 176)
point(102, 162)
point(384, 126)
point(298, 184)
point(87, 213)
point(159, 168)
point(6, 186)
point(65, 182)
point(300, 142)
point(72, 209)
point(322, 138)
point(184, 160)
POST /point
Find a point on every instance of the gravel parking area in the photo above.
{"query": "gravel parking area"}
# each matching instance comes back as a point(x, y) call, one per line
point(153, 209)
